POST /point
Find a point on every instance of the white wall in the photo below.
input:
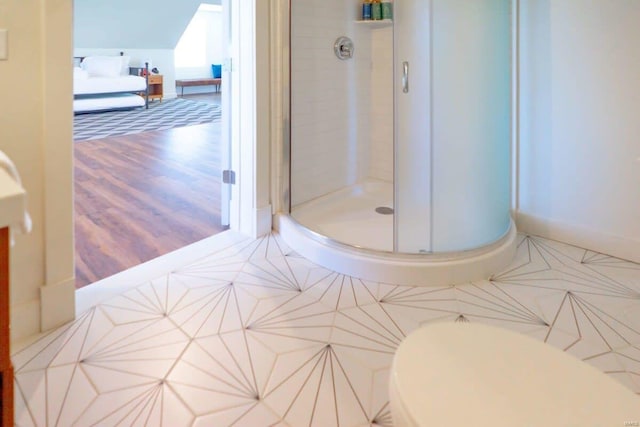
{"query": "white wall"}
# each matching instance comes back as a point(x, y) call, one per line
point(214, 51)
point(160, 58)
point(36, 132)
point(145, 29)
point(579, 148)
point(381, 154)
point(330, 99)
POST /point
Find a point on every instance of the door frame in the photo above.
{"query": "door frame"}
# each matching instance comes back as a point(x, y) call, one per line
point(250, 206)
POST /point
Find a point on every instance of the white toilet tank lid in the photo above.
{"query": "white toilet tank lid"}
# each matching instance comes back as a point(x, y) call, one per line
point(448, 374)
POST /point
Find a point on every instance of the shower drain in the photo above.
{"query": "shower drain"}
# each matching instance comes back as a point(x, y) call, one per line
point(384, 210)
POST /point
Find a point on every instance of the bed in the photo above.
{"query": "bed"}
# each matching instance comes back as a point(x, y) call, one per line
point(106, 83)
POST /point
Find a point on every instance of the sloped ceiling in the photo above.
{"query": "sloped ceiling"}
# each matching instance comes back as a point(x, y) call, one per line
point(132, 24)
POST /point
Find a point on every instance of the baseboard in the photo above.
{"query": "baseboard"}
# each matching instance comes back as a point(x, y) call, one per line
point(618, 246)
point(102, 290)
point(264, 221)
point(55, 307)
point(25, 320)
point(57, 304)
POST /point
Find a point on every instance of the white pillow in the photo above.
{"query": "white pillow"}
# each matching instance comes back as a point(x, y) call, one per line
point(80, 74)
point(102, 66)
point(125, 65)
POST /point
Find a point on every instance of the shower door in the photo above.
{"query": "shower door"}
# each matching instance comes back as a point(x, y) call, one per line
point(412, 88)
point(471, 123)
point(453, 123)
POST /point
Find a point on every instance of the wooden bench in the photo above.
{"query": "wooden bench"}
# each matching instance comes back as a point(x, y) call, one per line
point(206, 81)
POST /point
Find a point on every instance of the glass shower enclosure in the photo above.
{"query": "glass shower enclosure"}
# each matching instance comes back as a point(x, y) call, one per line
point(400, 139)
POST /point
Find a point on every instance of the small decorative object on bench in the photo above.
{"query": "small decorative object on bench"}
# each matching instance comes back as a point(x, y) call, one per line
point(216, 71)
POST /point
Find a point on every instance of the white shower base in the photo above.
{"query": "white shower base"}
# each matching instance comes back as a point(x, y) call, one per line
point(348, 215)
point(342, 231)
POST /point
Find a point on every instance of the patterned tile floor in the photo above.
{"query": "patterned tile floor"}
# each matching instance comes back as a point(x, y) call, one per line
point(255, 335)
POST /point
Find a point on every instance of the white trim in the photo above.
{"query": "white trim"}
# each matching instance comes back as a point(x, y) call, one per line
point(57, 295)
point(229, 109)
point(279, 45)
point(618, 246)
point(235, 105)
point(57, 304)
point(105, 289)
point(250, 116)
point(243, 155)
point(515, 103)
point(263, 221)
point(25, 321)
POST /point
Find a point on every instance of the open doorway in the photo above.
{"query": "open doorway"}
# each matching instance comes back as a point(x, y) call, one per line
point(141, 195)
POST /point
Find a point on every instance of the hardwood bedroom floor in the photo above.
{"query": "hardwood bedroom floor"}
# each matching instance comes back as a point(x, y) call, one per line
point(141, 196)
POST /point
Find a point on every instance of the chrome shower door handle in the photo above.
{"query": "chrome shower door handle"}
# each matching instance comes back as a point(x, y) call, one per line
point(405, 77)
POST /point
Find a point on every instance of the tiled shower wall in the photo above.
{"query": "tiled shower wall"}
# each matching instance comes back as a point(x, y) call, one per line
point(381, 149)
point(330, 99)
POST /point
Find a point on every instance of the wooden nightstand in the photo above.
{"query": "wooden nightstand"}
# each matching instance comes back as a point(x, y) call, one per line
point(155, 87)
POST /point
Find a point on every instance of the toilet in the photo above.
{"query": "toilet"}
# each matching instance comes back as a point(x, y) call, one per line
point(454, 374)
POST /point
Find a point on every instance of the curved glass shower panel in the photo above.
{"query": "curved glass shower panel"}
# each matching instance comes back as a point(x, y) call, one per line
point(471, 122)
point(412, 35)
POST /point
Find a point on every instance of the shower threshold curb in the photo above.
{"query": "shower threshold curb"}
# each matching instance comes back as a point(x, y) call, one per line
point(400, 269)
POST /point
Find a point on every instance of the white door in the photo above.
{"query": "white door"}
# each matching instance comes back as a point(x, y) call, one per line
point(229, 21)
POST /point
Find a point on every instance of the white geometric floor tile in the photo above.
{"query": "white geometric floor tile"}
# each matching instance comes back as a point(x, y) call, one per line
point(489, 302)
point(630, 314)
point(629, 359)
point(153, 404)
point(338, 291)
point(212, 310)
point(295, 323)
point(368, 330)
point(250, 415)
point(28, 415)
point(411, 307)
point(206, 385)
point(280, 273)
point(253, 334)
point(326, 387)
point(576, 315)
point(42, 352)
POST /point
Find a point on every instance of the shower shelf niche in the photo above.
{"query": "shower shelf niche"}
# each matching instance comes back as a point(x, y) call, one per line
point(379, 23)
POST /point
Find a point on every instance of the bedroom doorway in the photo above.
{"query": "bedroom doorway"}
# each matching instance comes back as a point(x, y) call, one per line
point(141, 195)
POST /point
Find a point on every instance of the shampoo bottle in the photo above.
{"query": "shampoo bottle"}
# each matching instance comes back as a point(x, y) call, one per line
point(387, 9)
point(366, 10)
point(376, 10)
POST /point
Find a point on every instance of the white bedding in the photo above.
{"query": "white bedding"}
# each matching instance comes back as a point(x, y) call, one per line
point(95, 85)
point(111, 102)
